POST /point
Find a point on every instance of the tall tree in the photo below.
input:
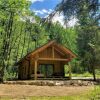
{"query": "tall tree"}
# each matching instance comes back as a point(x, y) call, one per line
point(11, 10)
point(88, 15)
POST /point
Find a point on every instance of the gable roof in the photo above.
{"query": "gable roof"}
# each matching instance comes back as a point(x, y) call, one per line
point(64, 49)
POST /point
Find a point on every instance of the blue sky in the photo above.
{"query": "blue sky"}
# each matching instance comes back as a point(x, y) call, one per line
point(43, 7)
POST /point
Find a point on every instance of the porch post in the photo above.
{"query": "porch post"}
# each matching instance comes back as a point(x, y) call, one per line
point(70, 75)
point(35, 70)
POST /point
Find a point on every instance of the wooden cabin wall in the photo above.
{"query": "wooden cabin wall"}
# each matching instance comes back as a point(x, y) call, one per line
point(47, 53)
point(32, 66)
point(62, 68)
point(58, 55)
point(20, 71)
point(26, 68)
point(23, 70)
point(59, 67)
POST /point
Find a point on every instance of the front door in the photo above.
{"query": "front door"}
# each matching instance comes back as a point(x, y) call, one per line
point(46, 69)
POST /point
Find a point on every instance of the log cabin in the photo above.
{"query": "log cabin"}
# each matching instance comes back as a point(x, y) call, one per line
point(45, 62)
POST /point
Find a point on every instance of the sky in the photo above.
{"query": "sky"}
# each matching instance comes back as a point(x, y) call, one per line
point(43, 7)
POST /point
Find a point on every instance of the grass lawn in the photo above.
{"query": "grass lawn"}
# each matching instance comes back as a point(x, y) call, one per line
point(86, 74)
point(93, 94)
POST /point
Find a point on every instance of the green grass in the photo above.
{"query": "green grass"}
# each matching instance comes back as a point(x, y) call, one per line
point(91, 95)
point(82, 75)
point(86, 74)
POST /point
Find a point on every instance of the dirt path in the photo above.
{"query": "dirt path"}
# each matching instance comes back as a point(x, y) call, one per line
point(29, 90)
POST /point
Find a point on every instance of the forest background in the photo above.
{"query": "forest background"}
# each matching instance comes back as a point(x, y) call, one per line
point(19, 35)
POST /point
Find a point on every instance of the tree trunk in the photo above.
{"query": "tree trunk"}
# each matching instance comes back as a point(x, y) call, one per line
point(93, 72)
point(6, 45)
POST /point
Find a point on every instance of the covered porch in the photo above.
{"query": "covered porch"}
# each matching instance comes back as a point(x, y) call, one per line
point(49, 69)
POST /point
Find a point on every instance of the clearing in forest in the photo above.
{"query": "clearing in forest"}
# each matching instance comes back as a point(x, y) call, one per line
point(17, 91)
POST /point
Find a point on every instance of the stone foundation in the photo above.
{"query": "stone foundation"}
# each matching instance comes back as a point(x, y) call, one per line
point(53, 83)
